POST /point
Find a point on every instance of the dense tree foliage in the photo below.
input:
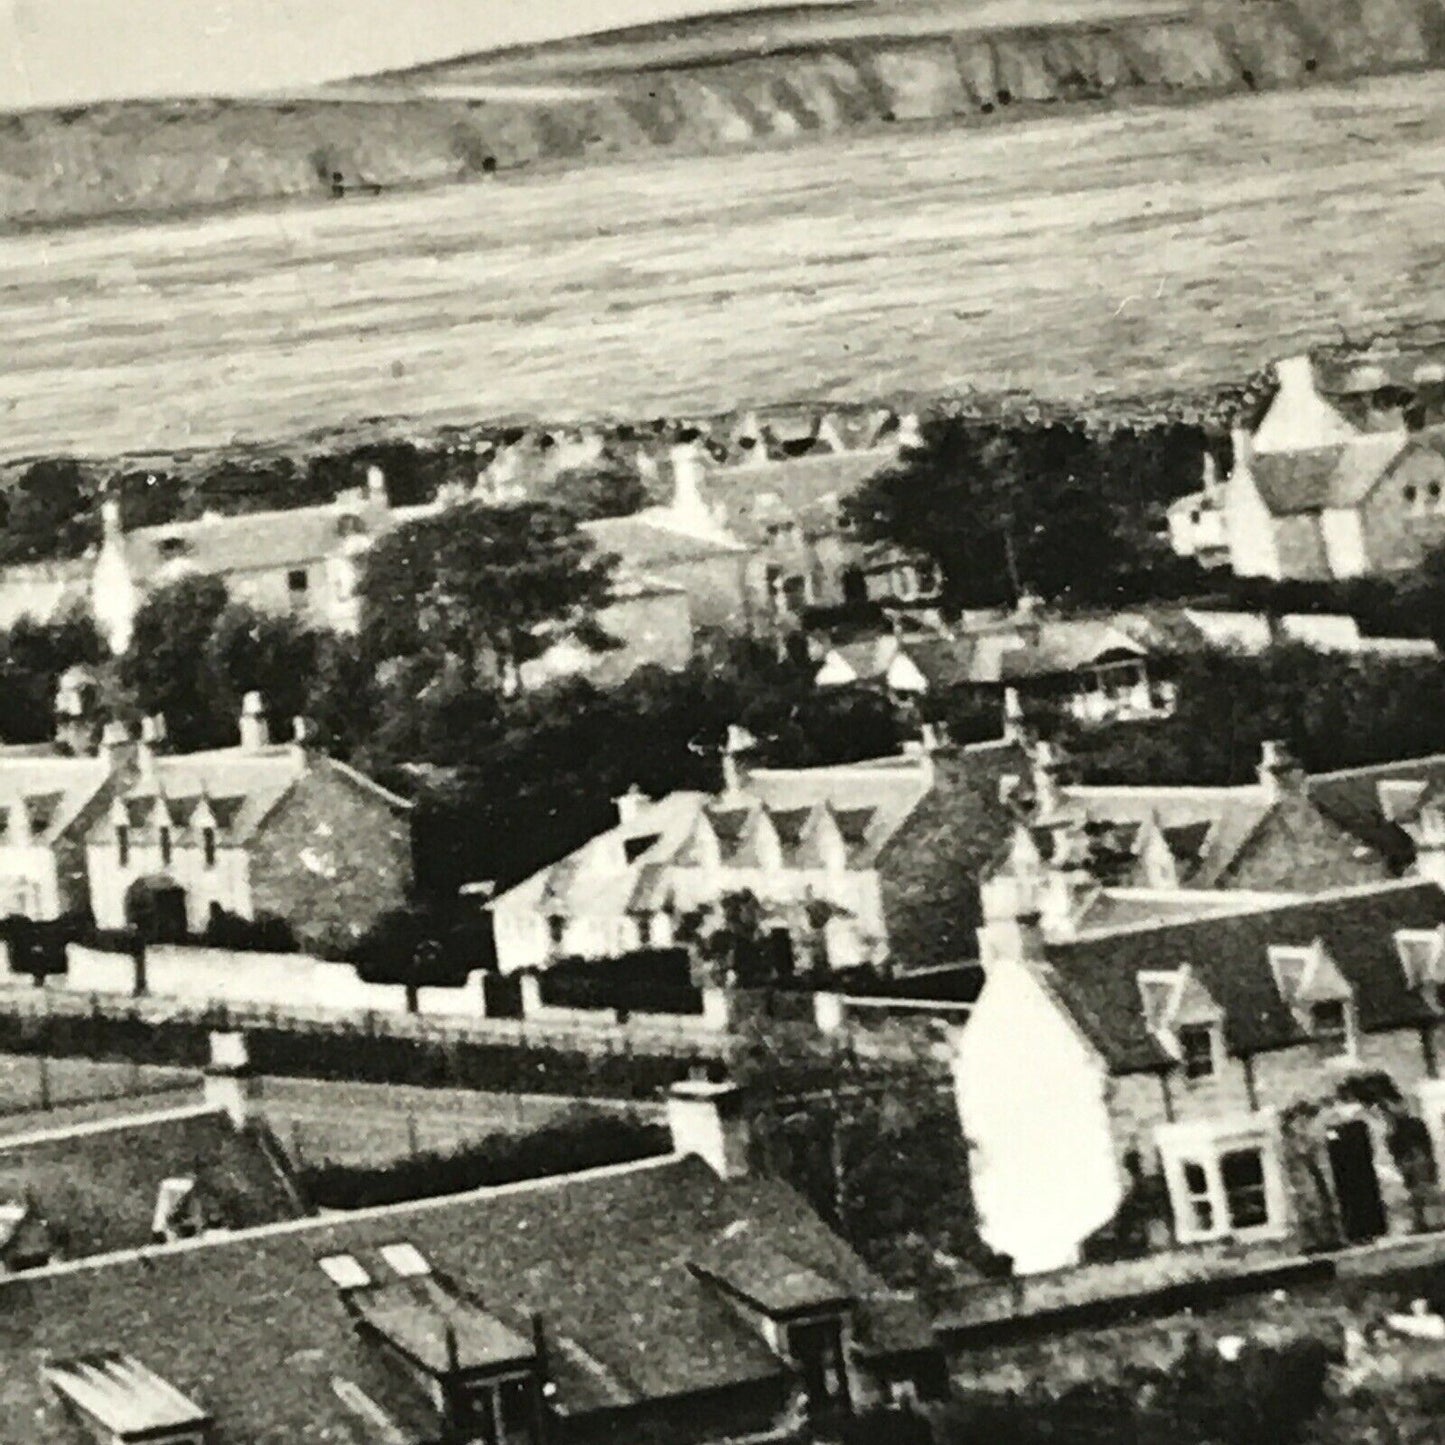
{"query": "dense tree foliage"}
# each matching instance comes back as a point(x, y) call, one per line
point(480, 587)
point(1054, 509)
point(48, 512)
point(1334, 711)
point(32, 657)
point(611, 488)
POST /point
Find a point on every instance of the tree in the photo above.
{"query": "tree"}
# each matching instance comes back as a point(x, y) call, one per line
point(163, 668)
point(149, 499)
point(32, 657)
point(609, 489)
point(247, 651)
point(481, 587)
point(49, 512)
point(1050, 508)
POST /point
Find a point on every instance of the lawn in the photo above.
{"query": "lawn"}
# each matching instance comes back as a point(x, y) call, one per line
point(1078, 254)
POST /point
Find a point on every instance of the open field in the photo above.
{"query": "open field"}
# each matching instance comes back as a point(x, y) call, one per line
point(1128, 252)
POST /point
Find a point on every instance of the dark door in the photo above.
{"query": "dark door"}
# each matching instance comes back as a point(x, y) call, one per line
point(817, 1350)
point(1357, 1187)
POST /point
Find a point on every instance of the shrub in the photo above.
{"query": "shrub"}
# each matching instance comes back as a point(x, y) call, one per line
point(583, 1139)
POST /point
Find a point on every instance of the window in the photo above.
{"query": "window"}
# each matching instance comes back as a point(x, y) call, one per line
point(1245, 1196)
point(165, 847)
point(1434, 490)
point(1330, 1026)
point(1197, 1197)
point(208, 846)
point(122, 843)
point(1410, 494)
point(173, 547)
point(297, 581)
point(556, 927)
point(502, 1412)
point(350, 525)
point(644, 930)
point(816, 1350)
point(1196, 1044)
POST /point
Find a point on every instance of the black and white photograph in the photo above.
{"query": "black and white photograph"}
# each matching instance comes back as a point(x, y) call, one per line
point(722, 722)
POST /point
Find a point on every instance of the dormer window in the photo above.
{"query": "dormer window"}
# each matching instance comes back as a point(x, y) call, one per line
point(1197, 1049)
point(1330, 1027)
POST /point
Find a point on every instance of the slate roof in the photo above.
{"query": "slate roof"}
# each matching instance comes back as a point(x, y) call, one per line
point(251, 1329)
point(96, 1184)
point(1327, 477)
point(242, 788)
point(252, 542)
point(1352, 799)
point(1096, 978)
point(612, 872)
point(56, 792)
point(807, 490)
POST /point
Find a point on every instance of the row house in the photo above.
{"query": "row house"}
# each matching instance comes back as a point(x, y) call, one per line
point(168, 843)
point(673, 1298)
point(1264, 1076)
point(806, 843)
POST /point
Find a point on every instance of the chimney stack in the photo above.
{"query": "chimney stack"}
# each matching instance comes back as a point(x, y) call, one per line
point(114, 743)
point(1048, 794)
point(255, 733)
point(739, 743)
point(376, 487)
point(706, 1119)
point(1279, 773)
point(1014, 727)
point(112, 523)
point(629, 806)
point(230, 1085)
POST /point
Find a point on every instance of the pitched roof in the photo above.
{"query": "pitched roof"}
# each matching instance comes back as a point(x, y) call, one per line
point(252, 1329)
point(252, 542)
point(96, 1185)
point(241, 788)
point(807, 490)
point(1096, 977)
point(1358, 800)
point(605, 877)
point(56, 792)
point(1327, 477)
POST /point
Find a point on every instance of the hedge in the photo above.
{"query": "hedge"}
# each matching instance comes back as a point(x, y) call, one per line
point(583, 1139)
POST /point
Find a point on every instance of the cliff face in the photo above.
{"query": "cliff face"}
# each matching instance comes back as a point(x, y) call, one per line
point(453, 124)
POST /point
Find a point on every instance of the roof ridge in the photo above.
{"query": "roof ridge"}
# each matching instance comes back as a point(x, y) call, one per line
point(330, 1219)
point(1255, 905)
point(1368, 768)
point(106, 1126)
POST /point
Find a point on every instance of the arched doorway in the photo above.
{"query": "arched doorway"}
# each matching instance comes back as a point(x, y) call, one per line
point(155, 909)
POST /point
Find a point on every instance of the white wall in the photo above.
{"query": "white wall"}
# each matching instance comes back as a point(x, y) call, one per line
point(88, 970)
point(280, 980)
point(1253, 551)
point(1031, 1098)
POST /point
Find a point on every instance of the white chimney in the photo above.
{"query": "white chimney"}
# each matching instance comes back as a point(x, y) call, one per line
point(1048, 795)
point(739, 743)
point(112, 524)
point(1014, 728)
point(1279, 773)
point(1011, 931)
point(230, 1085)
point(706, 1119)
point(114, 741)
point(376, 487)
point(255, 734)
point(630, 806)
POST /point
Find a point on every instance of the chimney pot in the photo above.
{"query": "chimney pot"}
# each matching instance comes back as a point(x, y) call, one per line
point(255, 733)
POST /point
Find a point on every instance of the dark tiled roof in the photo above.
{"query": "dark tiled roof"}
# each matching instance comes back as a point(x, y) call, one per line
point(1096, 978)
point(96, 1185)
point(253, 1330)
point(1352, 800)
point(1337, 476)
